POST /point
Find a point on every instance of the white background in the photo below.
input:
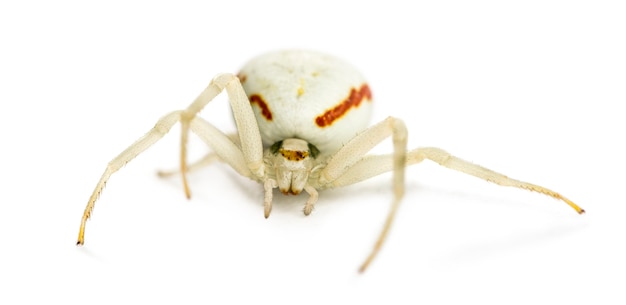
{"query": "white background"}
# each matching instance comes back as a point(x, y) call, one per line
point(532, 89)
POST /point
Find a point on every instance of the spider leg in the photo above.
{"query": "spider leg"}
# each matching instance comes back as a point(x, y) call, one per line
point(224, 148)
point(246, 158)
point(161, 128)
point(352, 153)
point(249, 135)
point(205, 161)
point(371, 166)
point(443, 158)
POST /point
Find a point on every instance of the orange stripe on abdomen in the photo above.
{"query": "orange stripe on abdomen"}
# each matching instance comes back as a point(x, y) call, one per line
point(353, 100)
point(265, 110)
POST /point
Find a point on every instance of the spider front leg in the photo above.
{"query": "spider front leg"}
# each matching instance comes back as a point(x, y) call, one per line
point(246, 159)
point(161, 128)
point(371, 166)
point(352, 154)
point(249, 136)
point(205, 161)
point(445, 159)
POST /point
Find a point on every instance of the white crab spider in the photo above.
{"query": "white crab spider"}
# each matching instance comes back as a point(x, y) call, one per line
point(302, 122)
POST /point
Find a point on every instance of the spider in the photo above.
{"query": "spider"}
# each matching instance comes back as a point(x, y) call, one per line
point(302, 119)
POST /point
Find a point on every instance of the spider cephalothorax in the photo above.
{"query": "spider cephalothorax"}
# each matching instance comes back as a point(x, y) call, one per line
point(292, 161)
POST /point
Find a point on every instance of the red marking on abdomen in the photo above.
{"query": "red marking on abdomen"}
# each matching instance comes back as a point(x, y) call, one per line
point(353, 100)
point(265, 110)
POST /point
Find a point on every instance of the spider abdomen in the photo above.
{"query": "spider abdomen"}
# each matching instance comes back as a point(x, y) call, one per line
point(307, 95)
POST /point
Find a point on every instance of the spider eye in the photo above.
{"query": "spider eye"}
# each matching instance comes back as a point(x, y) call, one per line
point(313, 151)
point(276, 147)
point(293, 155)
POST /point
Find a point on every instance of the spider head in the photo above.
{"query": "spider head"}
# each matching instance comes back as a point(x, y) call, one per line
point(293, 161)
